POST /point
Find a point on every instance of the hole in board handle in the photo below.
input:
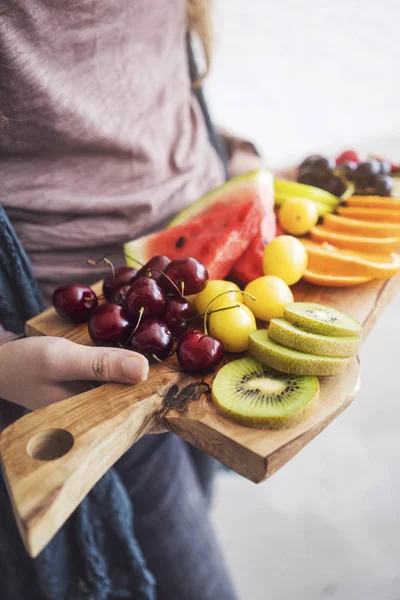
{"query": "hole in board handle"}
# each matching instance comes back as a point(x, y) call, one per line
point(50, 444)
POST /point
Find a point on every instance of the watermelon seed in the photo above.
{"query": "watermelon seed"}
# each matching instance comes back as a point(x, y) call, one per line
point(180, 242)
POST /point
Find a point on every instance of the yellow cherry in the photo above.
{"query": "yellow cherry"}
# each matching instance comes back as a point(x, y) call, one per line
point(298, 216)
point(232, 327)
point(212, 289)
point(272, 295)
point(285, 257)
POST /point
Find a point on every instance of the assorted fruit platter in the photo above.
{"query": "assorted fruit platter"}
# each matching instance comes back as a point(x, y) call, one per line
point(250, 359)
point(217, 284)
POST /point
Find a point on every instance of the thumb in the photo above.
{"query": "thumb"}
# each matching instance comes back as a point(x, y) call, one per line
point(99, 364)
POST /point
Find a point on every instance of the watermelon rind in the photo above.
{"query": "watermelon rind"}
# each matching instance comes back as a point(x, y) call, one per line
point(261, 180)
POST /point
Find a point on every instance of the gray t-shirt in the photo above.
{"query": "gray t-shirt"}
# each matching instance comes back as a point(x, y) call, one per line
point(103, 138)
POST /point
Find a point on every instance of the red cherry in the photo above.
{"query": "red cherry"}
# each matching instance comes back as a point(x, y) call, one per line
point(176, 314)
point(198, 352)
point(119, 296)
point(74, 301)
point(347, 156)
point(110, 325)
point(158, 263)
point(186, 273)
point(152, 337)
point(145, 294)
point(121, 276)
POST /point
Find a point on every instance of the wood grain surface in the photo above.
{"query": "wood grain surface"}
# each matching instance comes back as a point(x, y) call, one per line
point(53, 457)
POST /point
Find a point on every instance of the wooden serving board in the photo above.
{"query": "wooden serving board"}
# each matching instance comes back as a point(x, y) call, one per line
point(53, 457)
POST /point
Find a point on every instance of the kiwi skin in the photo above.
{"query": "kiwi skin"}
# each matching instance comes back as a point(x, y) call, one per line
point(269, 422)
point(310, 364)
point(312, 343)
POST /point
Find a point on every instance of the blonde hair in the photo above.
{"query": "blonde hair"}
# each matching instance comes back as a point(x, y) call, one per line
point(199, 21)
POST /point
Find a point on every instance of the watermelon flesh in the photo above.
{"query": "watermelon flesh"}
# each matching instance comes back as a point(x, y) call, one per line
point(217, 238)
point(225, 229)
point(250, 264)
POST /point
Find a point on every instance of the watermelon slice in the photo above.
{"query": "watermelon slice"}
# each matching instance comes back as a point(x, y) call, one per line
point(217, 229)
point(249, 265)
point(261, 184)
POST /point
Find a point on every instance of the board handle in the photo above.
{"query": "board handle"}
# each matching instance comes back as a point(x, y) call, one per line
point(52, 457)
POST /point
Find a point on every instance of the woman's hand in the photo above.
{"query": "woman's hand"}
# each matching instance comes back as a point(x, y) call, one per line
point(38, 371)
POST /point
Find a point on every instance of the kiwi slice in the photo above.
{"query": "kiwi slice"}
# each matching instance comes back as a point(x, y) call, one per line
point(292, 361)
point(317, 318)
point(255, 395)
point(291, 336)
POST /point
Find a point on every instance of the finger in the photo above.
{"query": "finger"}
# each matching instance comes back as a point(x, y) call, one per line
point(72, 361)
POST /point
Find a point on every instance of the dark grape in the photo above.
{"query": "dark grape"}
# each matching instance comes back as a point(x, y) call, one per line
point(366, 172)
point(311, 178)
point(335, 186)
point(385, 167)
point(383, 185)
point(348, 169)
point(323, 166)
point(308, 162)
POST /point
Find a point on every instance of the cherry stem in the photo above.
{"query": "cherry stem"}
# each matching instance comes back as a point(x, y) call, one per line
point(109, 264)
point(93, 299)
point(211, 312)
point(165, 364)
point(141, 311)
point(134, 259)
point(182, 288)
point(167, 276)
point(94, 263)
point(218, 296)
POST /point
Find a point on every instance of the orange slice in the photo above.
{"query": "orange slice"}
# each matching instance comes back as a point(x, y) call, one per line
point(374, 202)
point(382, 215)
point(326, 280)
point(356, 227)
point(355, 242)
point(324, 258)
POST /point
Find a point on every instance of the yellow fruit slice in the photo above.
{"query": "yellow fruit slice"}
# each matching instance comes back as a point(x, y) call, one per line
point(299, 190)
point(338, 261)
point(356, 227)
point(383, 215)
point(326, 280)
point(374, 202)
point(355, 242)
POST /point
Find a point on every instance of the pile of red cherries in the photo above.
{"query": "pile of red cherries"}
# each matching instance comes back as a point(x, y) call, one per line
point(145, 310)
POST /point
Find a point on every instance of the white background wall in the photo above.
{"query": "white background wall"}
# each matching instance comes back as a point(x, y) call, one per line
point(301, 77)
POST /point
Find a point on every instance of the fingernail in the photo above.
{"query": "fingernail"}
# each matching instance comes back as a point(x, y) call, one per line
point(135, 368)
